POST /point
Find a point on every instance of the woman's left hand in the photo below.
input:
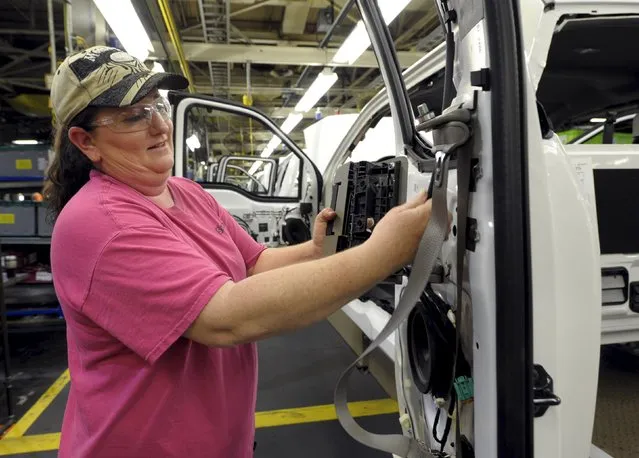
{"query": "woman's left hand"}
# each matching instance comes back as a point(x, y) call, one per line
point(319, 229)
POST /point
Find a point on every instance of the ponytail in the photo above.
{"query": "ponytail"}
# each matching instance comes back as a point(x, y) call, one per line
point(69, 168)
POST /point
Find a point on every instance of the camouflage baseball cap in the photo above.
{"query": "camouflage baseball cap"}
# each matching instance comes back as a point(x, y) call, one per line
point(104, 77)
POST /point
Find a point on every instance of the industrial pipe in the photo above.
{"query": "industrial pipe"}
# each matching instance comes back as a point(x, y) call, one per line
point(68, 27)
point(167, 16)
point(51, 37)
point(340, 17)
point(228, 39)
point(329, 34)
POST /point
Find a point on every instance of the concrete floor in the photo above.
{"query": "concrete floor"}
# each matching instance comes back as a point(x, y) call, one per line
point(617, 415)
point(298, 370)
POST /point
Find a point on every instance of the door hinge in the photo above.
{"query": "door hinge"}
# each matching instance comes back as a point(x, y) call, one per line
point(472, 234)
point(543, 395)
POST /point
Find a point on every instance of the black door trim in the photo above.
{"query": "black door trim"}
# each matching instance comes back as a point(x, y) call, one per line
point(515, 436)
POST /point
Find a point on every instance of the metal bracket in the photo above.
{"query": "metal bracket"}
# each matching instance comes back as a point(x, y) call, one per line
point(441, 167)
point(481, 78)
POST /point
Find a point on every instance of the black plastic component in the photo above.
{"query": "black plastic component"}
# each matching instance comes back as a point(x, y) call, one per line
point(451, 16)
point(363, 190)
point(467, 450)
point(623, 272)
point(295, 231)
point(544, 122)
point(262, 227)
point(544, 397)
point(481, 78)
point(431, 345)
point(633, 303)
point(472, 234)
point(609, 129)
point(382, 295)
point(373, 189)
point(306, 208)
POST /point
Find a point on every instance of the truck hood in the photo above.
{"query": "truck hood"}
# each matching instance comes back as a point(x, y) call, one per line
point(592, 69)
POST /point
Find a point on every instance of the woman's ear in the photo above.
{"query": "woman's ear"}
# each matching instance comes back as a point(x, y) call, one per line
point(84, 142)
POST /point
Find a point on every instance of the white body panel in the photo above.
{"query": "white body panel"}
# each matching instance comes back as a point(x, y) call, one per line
point(565, 260)
point(567, 299)
point(620, 323)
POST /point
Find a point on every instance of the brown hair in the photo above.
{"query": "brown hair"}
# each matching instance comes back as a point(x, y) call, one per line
point(69, 168)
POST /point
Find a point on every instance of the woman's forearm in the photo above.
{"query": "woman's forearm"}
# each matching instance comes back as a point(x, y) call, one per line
point(274, 258)
point(288, 298)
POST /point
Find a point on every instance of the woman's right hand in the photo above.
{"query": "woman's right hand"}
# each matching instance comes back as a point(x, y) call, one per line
point(396, 236)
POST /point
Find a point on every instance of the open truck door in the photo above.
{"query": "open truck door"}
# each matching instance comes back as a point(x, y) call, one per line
point(267, 183)
point(489, 359)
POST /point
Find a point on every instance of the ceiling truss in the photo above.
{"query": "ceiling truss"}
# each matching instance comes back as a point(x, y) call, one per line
point(269, 48)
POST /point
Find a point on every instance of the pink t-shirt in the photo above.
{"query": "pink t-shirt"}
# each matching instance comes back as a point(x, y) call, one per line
point(131, 277)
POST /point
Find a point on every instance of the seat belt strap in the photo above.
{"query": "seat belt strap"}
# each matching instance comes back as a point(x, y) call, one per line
point(427, 254)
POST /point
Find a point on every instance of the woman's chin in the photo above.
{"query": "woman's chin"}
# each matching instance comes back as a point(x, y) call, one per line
point(162, 165)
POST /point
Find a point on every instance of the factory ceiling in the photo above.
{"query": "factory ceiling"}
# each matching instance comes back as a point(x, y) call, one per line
point(270, 48)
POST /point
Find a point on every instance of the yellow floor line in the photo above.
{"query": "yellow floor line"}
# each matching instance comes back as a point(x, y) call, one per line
point(48, 442)
point(30, 444)
point(322, 413)
point(36, 410)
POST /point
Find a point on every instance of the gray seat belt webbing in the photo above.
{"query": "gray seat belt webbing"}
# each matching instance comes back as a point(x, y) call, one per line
point(427, 253)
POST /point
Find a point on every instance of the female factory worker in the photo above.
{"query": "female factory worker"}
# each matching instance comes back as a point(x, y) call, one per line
point(163, 293)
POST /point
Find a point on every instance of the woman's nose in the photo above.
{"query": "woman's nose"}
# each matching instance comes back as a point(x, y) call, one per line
point(160, 123)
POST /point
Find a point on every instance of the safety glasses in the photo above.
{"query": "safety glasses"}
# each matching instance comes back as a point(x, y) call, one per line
point(136, 117)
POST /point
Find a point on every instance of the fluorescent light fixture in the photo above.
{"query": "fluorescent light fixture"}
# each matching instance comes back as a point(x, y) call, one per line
point(358, 41)
point(25, 142)
point(598, 120)
point(193, 142)
point(354, 46)
point(270, 147)
point(391, 9)
point(320, 86)
point(291, 121)
point(256, 165)
point(125, 23)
